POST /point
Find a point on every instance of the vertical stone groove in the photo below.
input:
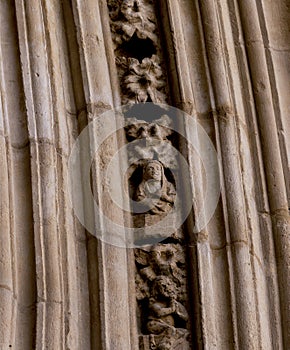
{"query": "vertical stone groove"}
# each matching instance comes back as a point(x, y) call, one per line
point(277, 194)
point(7, 284)
point(40, 126)
point(19, 204)
point(226, 63)
point(111, 325)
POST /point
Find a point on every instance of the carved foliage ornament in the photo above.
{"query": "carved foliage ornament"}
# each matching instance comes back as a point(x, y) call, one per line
point(141, 81)
point(129, 17)
point(160, 269)
point(150, 140)
point(141, 75)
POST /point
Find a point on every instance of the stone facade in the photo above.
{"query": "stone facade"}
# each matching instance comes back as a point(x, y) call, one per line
point(65, 63)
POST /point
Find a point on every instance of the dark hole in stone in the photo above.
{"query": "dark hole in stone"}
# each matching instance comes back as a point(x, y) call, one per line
point(147, 112)
point(143, 81)
point(149, 99)
point(137, 48)
point(135, 8)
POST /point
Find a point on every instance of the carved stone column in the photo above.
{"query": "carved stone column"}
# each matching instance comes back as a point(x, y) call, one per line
point(224, 63)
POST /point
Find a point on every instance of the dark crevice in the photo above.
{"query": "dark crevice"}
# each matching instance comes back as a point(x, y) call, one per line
point(137, 48)
point(135, 8)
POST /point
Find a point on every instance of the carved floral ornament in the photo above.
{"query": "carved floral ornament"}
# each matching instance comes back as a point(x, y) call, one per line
point(141, 82)
point(141, 79)
point(144, 80)
point(160, 271)
point(149, 140)
point(129, 17)
point(158, 129)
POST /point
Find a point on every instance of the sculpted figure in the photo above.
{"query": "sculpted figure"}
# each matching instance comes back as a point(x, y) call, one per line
point(164, 311)
point(155, 191)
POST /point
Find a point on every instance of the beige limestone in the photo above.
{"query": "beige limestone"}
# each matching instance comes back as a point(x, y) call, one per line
point(226, 62)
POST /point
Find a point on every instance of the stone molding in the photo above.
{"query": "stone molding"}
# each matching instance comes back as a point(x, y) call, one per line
point(226, 62)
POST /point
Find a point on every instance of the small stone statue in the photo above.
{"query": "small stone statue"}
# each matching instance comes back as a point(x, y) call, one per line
point(164, 312)
point(155, 192)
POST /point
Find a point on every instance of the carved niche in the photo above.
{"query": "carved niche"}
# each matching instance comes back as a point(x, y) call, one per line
point(161, 285)
point(162, 297)
point(151, 179)
point(155, 193)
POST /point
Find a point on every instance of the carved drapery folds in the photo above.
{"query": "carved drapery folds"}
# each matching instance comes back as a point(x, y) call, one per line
point(155, 193)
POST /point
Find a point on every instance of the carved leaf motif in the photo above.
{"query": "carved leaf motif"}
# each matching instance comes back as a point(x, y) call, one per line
point(160, 271)
point(132, 16)
point(159, 128)
point(144, 80)
point(142, 257)
point(132, 20)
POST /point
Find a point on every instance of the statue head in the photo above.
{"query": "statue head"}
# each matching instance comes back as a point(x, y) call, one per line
point(153, 170)
point(164, 287)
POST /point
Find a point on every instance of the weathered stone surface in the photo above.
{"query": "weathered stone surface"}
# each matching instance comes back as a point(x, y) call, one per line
point(65, 62)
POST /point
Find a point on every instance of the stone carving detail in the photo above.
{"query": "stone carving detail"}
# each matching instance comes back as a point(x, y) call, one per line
point(161, 294)
point(129, 17)
point(161, 289)
point(151, 180)
point(160, 269)
point(150, 140)
point(143, 81)
point(155, 193)
point(134, 33)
